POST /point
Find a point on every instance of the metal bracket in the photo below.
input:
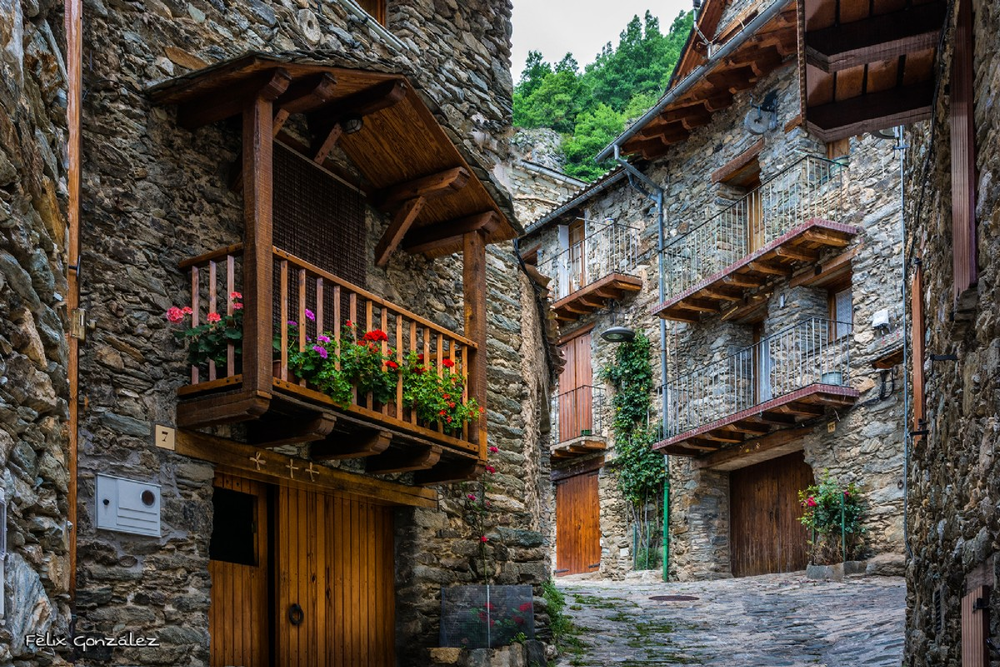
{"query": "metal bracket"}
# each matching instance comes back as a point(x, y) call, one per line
point(980, 604)
point(78, 324)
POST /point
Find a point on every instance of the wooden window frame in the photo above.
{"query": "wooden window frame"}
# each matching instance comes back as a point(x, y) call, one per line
point(380, 9)
point(831, 299)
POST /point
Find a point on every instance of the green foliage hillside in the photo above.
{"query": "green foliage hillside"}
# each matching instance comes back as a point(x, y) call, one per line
point(591, 107)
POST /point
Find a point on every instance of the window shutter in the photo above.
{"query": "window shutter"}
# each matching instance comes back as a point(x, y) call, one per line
point(917, 343)
point(963, 154)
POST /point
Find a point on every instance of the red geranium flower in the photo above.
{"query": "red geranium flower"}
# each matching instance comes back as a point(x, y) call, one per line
point(213, 318)
point(443, 412)
point(420, 358)
point(446, 396)
point(811, 502)
point(348, 323)
point(525, 606)
point(175, 314)
point(451, 405)
point(392, 364)
point(237, 306)
point(494, 449)
point(235, 295)
point(491, 470)
point(449, 420)
point(484, 539)
point(187, 310)
point(447, 363)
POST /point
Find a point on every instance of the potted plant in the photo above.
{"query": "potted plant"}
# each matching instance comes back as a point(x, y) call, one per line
point(210, 341)
point(437, 398)
point(833, 513)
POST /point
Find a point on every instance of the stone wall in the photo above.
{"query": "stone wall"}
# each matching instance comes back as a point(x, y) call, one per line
point(155, 194)
point(533, 175)
point(866, 445)
point(954, 470)
point(34, 354)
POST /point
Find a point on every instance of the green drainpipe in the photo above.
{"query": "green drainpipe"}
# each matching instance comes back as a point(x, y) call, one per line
point(666, 519)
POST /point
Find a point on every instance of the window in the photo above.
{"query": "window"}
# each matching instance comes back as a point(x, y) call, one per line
point(234, 527)
point(841, 313)
point(374, 7)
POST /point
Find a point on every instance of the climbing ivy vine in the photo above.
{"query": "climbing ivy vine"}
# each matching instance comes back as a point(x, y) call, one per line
point(638, 468)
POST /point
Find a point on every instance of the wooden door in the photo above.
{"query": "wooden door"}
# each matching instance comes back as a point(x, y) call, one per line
point(334, 556)
point(577, 255)
point(578, 525)
point(576, 398)
point(756, 229)
point(765, 533)
point(238, 619)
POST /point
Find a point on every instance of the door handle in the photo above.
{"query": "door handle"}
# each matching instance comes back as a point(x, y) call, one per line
point(295, 614)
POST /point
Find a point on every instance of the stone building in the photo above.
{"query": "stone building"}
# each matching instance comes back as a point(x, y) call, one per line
point(780, 302)
point(952, 214)
point(258, 163)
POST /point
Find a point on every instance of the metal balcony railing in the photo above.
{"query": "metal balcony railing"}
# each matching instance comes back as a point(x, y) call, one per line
point(810, 188)
point(814, 351)
point(611, 248)
point(580, 413)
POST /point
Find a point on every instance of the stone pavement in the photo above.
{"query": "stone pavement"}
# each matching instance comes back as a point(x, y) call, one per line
point(768, 621)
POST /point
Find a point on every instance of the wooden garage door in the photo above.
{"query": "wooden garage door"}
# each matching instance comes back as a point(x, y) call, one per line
point(765, 533)
point(578, 525)
point(334, 559)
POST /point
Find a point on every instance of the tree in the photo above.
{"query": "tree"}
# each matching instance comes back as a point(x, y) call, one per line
point(594, 130)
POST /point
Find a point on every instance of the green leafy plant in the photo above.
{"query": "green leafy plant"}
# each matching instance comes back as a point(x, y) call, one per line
point(834, 515)
point(316, 363)
point(210, 341)
point(366, 366)
point(437, 398)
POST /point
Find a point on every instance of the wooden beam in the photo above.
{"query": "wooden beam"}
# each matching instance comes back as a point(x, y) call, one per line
point(721, 294)
point(269, 466)
point(355, 446)
point(292, 431)
point(720, 436)
point(225, 409)
point(875, 39)
point(820, 270)
point(798, 408)
point(450, 233)
point(441, 184)
point(698, 305)
point(739, 162)
point(404, 460)
point(449, 472)
point(393, 236)
point(769, 269)
point(752, 451)
point(474, 290)
point(743, 280)
point(871, 112)
point(776, 418)
point(749, 427)
point(258, 262)
point(306, 94)
point(233, 100)
point(826, 238)
point(798, 254)
point(327, 145)
point(363, 103)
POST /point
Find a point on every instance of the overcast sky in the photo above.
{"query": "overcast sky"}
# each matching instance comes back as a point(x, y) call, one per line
point(580, 27)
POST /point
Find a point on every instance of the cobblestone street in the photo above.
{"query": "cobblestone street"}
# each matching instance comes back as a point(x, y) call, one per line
point(769, 621)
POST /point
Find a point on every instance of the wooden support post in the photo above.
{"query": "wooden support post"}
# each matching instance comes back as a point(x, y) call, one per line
point(355, 446)
point(397, 229)
point(474, 285)
point(327, 146)
point(258, 265)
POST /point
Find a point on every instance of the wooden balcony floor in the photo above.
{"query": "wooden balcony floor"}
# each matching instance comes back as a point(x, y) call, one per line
point(582, 446)
point(299, 417)
point(595, 296)
point(804, 404)
point(778, 259)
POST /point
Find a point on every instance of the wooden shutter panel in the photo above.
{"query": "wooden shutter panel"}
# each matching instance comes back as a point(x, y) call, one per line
point(976, 628)
point(917, 343)
point(963, 153)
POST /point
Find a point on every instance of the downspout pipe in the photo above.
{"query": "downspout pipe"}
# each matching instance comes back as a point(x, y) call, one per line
point(655, 192)
point(687, 82)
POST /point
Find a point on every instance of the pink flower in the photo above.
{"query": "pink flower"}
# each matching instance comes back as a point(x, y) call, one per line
point(321, 351)
point(484, 539)
point(175, 315)
point(213, 318)
point(494, 449)
point(847, 494)
point(310, 315)
point(811, 502)
point(293, 323)
point(187, 310)
point(235, 295)
point(323, 339)
point(471, 496)
point(491, 470)
point(237, 306)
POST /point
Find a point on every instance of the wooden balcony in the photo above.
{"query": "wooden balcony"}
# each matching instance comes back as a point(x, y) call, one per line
point(594, 270)
point(389, 436)
point(579, 423)
point(786, 223)
point(788, 378)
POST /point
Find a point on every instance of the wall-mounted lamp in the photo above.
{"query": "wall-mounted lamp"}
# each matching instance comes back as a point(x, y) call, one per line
point(352, 123)
point(617, 334)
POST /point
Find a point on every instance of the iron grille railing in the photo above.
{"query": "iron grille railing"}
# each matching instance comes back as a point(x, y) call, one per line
point(814, 351)
point(579, 413)
point(611, 248)
point(810, 188)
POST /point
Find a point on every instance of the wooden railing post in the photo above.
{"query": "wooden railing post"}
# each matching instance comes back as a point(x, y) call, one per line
point(258, 263)
point(474, 287)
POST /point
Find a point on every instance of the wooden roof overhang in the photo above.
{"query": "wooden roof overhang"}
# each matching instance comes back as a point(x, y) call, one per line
point(729, 291)
point(867, 65)
point(595, 296)
point(412, 169)
point(735, 430)
point(771, 46)
point(577, 447)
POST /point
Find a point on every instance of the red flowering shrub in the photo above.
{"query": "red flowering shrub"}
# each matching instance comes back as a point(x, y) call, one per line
point(210, 341)
point(437, 397)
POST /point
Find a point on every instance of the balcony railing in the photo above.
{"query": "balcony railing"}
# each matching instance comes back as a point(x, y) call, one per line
point(816, 351)
point(809, 189)
point(613, 248)
point(580, 413)
point(331, 303)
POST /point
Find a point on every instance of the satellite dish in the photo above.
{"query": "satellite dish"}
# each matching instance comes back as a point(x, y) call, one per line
point(763, 117)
